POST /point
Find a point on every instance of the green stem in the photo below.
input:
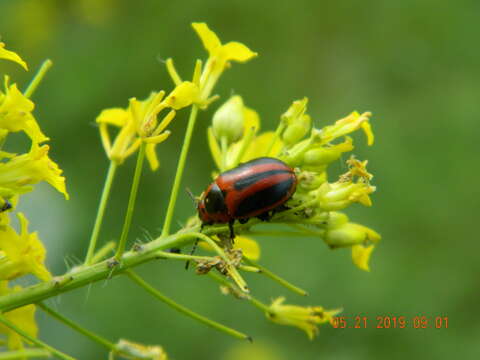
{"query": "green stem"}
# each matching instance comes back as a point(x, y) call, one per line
point(82, 276)
point(276, 278)
point(179, 173)
point(37, 342)
point(131, 202)
point(257, 303)
point(100, 212)
point(24, 354)
point(98, 339)
point(103, 251)
point(142, 283)
point(47, 64)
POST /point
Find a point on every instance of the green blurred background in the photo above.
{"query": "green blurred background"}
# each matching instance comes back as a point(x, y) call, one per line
point(414, 64)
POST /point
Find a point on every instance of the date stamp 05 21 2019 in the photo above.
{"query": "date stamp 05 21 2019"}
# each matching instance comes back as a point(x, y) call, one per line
point(390, 322)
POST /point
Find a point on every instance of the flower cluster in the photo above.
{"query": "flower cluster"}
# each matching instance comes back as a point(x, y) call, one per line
point(314, 209)
point(22, 252)
point(234, 138)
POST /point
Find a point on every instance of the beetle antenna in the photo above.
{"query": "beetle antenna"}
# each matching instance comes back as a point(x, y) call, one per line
point(194, 199)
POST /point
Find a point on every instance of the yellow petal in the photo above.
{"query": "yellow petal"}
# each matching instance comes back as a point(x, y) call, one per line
point(361, 256)
point(12, 56)
point(214, 148)
point(249, 247)
point(260, 144)
point(114, 116)
point(251, 119)
point(151, 155)
point(209, 39)
point(367, 129)
point(183, 95)
point(237, 52)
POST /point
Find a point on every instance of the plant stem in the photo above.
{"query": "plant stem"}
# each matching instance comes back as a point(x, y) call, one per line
point(89, 274)
point(180, 167)
point(183, 309)
point(103, 251)
point(257, 303)
point(100, 212)
point(37, 342)
point(276, 278)
point(98, 339)
point(131, 203)
point(24, 354)
point(47, 64)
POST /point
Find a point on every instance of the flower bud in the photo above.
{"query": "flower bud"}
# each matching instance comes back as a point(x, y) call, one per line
point(322, 156)
point(350, 234)
point(228, 120)
point(297, 122)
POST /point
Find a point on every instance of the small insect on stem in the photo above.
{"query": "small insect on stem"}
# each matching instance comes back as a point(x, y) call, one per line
point(6, 206)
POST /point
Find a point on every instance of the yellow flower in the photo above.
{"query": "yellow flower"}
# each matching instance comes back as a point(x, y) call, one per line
point(23, 318)
point(305, 318)
point(228, 120)
point(16, 113)
point(361, 256)
point(12, 56)
point(21, 171)
point(339, 195)
point(344, 126)
point(219, 57)
point(21, 254)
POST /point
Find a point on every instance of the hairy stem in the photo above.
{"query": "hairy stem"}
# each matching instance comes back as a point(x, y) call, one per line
point(142, 283)
point(179, 173)
point(131, 203)
point(98, 339)
point(37, 342)
point(100, 212)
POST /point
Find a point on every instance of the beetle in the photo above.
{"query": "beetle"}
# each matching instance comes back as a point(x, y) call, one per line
point(252, 189)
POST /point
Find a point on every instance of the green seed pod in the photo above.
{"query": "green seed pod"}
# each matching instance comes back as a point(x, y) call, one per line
point(228, 120)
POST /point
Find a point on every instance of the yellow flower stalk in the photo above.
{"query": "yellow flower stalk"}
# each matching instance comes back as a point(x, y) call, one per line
point(23, 318)
point(20, 172)
point(21, 254)
point(305, 318)
point(16, 113)
point(12, 56)
point(297, 123)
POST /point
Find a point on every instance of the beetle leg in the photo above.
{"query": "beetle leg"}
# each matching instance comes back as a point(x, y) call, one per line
point(265, 216)
point(191, 253)
point(6, 206)
point(232, 233)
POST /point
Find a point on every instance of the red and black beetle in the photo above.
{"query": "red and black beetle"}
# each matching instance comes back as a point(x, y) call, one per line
point(252, 189)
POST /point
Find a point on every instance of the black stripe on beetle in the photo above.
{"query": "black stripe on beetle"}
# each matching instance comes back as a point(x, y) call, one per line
point(252, 179)
point(264, 198)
